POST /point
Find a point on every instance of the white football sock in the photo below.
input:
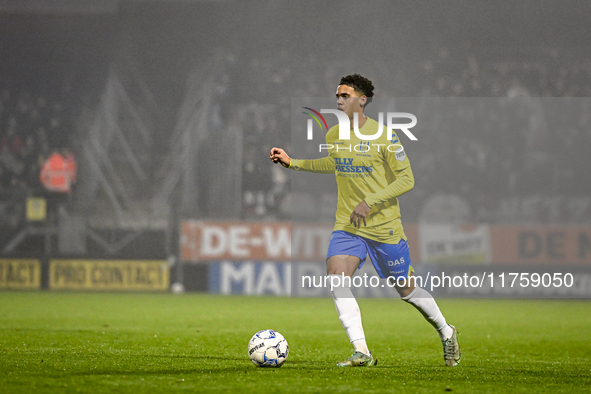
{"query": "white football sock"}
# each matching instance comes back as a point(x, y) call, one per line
point(425, 303)
point(349, 313)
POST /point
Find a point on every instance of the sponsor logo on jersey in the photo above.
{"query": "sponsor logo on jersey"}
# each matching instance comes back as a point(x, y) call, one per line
point(396, 262)
point(344, 164)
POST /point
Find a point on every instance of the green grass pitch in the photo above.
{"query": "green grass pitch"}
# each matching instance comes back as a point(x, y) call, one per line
point(163, 343)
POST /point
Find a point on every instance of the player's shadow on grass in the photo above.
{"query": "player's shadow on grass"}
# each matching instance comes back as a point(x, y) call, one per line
point(160, 371)
point(43, 330)
point(245, 366)
point(197, 357)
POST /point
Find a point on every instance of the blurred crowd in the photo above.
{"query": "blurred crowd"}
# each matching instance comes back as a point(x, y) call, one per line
point(34, 123)
point(508, 144)
point(511, 144)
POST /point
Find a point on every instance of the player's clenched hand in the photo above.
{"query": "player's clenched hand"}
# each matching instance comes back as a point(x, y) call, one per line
point(278, 155)
point(360, 212)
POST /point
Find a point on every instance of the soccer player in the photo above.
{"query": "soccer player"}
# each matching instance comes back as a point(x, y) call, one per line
point(369, 178)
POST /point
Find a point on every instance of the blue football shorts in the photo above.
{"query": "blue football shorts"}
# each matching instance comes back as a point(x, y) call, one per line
point(389, 260)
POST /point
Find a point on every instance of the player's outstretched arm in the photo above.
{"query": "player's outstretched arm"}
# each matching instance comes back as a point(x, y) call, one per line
point(324, 165)
point(278, 155)
point(404, 182)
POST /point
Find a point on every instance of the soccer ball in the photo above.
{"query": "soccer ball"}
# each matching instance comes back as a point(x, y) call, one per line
point(268, 348)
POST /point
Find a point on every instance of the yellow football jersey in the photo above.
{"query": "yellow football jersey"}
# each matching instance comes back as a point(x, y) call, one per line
point(376, 171)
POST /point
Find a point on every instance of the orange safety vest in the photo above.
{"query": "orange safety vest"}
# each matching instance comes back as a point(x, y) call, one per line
point(58, 173)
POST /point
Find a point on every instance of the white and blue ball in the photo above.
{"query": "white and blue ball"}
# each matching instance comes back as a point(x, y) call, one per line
point(268, 348)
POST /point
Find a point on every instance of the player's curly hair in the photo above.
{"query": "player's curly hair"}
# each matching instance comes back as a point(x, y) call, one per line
point(360, 84)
